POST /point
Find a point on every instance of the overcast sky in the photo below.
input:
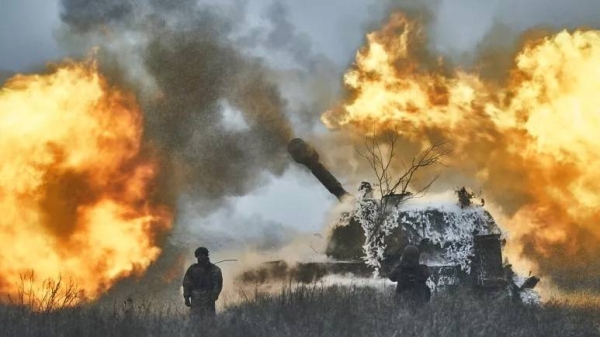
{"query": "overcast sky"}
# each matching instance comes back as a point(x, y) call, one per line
point(335, 28)
point(26, 33)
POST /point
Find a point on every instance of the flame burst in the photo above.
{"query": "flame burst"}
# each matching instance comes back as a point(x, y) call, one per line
point(75, 191)
point(532, 142)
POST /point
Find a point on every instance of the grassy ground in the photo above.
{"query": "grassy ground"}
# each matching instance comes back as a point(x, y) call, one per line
point(312, 311)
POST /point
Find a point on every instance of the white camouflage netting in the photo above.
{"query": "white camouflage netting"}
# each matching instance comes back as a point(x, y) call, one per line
point(444, 223)
point(440, 220)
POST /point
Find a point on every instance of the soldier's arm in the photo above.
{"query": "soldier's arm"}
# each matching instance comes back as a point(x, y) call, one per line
point(395, 274)
point(217, 282)
point(187, 283)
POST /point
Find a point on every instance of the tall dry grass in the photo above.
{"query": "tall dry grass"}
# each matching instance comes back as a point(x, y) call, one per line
point(311, 311)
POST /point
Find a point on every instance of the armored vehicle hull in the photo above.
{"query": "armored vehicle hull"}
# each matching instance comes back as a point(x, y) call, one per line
point(461, 245)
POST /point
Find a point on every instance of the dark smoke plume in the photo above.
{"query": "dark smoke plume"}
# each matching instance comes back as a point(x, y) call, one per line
point(185, 50)
point(182, 61)
point(309, 80)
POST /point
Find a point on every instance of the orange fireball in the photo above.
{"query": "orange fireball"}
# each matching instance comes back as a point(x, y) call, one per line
point(532, 143)
point(75, 186)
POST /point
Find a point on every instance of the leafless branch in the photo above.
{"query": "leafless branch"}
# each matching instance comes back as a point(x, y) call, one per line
point(48, 296)
point(380, 163)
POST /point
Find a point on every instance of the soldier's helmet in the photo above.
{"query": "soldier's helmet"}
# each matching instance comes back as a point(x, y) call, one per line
point(201, 251)
point(410, 255)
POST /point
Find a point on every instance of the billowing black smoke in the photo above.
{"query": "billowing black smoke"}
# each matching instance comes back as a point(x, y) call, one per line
point(187, 52)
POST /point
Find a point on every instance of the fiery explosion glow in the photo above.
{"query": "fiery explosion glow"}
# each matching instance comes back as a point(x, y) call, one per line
point(75, 186)
point(531, 141)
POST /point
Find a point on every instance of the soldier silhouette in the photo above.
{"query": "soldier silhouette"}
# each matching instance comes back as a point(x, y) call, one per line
point(411, 278)
point(202, 285)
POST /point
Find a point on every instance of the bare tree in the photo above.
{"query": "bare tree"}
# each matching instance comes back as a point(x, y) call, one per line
point(393, 187)
point(380, 163)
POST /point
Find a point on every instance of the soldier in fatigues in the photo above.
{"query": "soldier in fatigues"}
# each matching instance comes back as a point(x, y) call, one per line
point(202, 285)
point(411, 277)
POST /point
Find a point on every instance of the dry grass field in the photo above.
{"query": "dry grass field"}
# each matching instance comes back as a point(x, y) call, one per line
point(311, 311)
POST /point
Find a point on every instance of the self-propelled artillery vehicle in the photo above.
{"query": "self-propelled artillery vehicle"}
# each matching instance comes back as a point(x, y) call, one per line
point(459, 241)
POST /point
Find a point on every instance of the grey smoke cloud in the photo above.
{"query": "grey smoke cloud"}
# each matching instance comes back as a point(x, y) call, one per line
point(254, 232)
point(283, 35)
point(216, 111)
point(181, 60)
point(88, 15)
point(185, 50)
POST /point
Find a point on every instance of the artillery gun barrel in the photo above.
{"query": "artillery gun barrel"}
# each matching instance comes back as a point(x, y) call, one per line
point(306, 155)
